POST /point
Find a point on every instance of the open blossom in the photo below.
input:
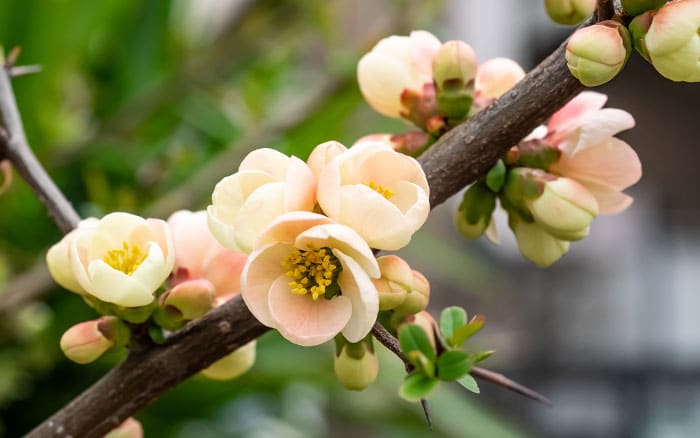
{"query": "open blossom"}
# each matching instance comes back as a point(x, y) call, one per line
point(378, 192)
point(267, 184)
point(396, 65)
point(310, 278)
point(121, 259)
point(583, 132)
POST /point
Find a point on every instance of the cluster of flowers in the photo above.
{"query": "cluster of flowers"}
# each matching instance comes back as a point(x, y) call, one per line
point(295, 238)
point(666, 34)
point(555, 181)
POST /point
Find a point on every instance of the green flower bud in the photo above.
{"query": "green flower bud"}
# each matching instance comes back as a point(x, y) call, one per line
point(355, 365)
point(474, 213)
point(454, 71)
point(233, 365)
point(536, 244)
point(569, 12)
point(596, 54)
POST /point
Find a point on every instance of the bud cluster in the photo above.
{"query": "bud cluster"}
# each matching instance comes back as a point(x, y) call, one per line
point(556, 181)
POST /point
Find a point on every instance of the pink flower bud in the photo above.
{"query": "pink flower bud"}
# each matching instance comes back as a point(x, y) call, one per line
point(596, 54)
point(494, 77)
point(395, 283)
point(418, 298)
point(569, 12)
point(130, 428)
point(192, 299)
point(85, 342)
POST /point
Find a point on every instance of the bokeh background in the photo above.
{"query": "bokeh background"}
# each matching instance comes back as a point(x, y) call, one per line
point(143, 105)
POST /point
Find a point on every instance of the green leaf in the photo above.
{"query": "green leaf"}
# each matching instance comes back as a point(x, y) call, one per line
point(468, 382)
point(452, 365)
point(412, 337)
point(452, 319)
point(496, 176)
point(422, 363)
point(468, 330)
point(480, 356)
point(417, 386)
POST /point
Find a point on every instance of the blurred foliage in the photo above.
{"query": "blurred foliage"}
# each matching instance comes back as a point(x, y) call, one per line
point(135, 98)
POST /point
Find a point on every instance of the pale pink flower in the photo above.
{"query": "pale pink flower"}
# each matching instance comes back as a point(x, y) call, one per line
point(583, 132)
point(380, 193)
point(198, 255)
point(267, 184)
point(496, 76)
point(397, 64)
point(310, 278)
point(121, 259)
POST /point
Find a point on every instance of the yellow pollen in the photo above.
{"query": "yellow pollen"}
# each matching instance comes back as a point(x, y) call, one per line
point(384, 191)
point(311, 272)
point(127, 259)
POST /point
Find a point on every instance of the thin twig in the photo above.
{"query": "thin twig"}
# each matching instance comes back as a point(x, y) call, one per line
point(14, 147)
point(389, 341)
point(23, 70)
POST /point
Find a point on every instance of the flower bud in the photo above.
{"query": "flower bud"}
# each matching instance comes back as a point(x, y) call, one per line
point(636, 7)
point(355, 365)
point(130, 428)
point(233, 365)
point(670, 39)
point(537, 245)
point(85, 342)
point(454, 71)
point(565, 209)
point(496, 76)
point(474, 213)
point(395, 282)
point(417, 299)
point(192, 299)
point(569, 12)
point(596, 54)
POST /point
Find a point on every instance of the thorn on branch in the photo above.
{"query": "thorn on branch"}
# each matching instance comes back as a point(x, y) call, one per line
point(11, 59)
point(23, 70)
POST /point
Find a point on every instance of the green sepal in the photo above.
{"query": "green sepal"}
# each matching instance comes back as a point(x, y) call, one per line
point(496, 176)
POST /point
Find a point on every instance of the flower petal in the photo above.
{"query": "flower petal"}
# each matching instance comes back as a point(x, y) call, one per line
point(610, 201)
point(596, 127)
point(267, 160)
point(583, 103)
point(261, 208)
point(299, 186)
point(263, 268)
point(305, 321)
point(112, 286)
point(359, 289)
point(288, 226)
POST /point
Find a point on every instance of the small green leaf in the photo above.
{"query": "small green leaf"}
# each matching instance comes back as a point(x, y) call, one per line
point(480, 356)
point(412, 337)
point(422, 363)
point(452, 365)
point(496, 176)
point(452, 319)
point(468, 330)
point(417, 386)
point(468, 382)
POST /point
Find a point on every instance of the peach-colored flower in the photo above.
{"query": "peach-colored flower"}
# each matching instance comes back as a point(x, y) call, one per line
point(310, 278)
point(583, 131)
point(395, 65)
point(496, 76)
point(198, 255)
point(324, 154)
point(267, 184)
point(121, 259)
point(378, 192)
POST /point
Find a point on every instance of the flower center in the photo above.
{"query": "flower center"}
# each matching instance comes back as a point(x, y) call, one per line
point(312, 272)
point(127, 259)
point(384, 191)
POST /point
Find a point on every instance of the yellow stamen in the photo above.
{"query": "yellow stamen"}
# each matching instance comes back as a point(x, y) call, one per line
point(127, 259)
point(312, 272)
point(384, 191)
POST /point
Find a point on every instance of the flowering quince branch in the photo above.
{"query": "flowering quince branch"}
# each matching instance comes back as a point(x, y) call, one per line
point(458, 158)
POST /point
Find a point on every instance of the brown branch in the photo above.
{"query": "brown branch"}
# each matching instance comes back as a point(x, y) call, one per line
point(457, 159)
point(14, 147)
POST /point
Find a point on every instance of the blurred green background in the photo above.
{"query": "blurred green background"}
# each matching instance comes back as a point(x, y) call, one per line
point(142, 106)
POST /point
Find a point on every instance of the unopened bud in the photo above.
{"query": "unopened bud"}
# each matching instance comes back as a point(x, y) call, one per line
point(454, 72)
point(130, 428)
point(418, 298)
point(669, 38)
point(192, 299)
point(496, 76)
point(395, 282)
point(233, 365)
point(474, 213)
point(569, 12)
point(537, 245)
point(85, 342)
point(565, 209)
point(355, 364)
point(596, 54)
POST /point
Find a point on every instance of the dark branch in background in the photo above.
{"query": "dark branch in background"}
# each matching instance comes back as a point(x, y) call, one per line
point(14, 147)
point(457, 159)
point(389, 341)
